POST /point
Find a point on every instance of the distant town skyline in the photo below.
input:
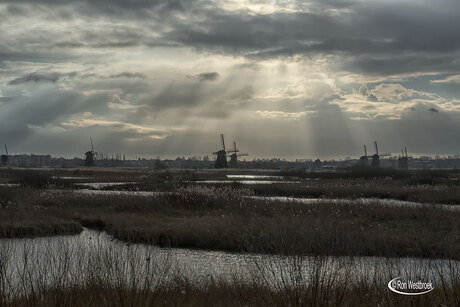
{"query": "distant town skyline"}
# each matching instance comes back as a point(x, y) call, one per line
point(282, 78)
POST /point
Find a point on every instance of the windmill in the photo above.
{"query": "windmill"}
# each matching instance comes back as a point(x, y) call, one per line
point(234, 156)
point(364, 160)
point(403, 160)
point(89, 155)
point(376, 157)
point(4, 158)
point(221, 159)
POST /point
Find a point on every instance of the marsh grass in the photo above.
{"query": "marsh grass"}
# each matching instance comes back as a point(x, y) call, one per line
point(362, 172)
point(224, 218)
point(66, 273)
point(442, 193)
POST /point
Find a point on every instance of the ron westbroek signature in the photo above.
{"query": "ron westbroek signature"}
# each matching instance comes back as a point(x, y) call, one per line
point(410, 287)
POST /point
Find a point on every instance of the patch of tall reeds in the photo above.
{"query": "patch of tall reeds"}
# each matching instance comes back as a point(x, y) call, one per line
point(98, 271)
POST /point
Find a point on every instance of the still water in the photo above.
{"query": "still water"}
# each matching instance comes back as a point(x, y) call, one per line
point(358, 201)
point(32, 264)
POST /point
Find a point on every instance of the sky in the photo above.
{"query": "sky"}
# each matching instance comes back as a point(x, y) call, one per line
point(281, 78)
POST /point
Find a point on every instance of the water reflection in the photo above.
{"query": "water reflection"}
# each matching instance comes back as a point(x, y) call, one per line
point(100, 185)
point(358, 201)
point(242, 181)
point(254, 177)
point(31, 264)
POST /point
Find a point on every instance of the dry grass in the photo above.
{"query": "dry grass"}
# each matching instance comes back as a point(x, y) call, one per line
point(102, 276)
point(223, 218)
point(447, 192)
point(187, 294)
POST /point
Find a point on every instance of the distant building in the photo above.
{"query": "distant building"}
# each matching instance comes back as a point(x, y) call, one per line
point(25, 160)
point(39, 160)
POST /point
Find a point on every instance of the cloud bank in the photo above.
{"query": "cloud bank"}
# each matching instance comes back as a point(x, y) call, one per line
point(283, 78)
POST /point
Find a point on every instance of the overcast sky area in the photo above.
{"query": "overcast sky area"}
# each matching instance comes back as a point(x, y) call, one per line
point(283, 78)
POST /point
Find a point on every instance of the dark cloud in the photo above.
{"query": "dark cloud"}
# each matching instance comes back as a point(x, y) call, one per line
point(129, 75)
point(373, 37)
point(108, 42)
point(400, 64)
point(375, 26)
point(36, 77)
point(122, 4)
point(118, 8)
point(40, 56)
point(372, 98)
point(206, 76)
point(176, 95)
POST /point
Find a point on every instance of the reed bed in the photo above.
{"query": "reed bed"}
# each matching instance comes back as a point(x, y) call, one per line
point(227, 218)
point(100, 272)
point(290, 253)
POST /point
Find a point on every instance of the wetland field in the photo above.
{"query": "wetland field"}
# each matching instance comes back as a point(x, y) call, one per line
point(227, 237)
